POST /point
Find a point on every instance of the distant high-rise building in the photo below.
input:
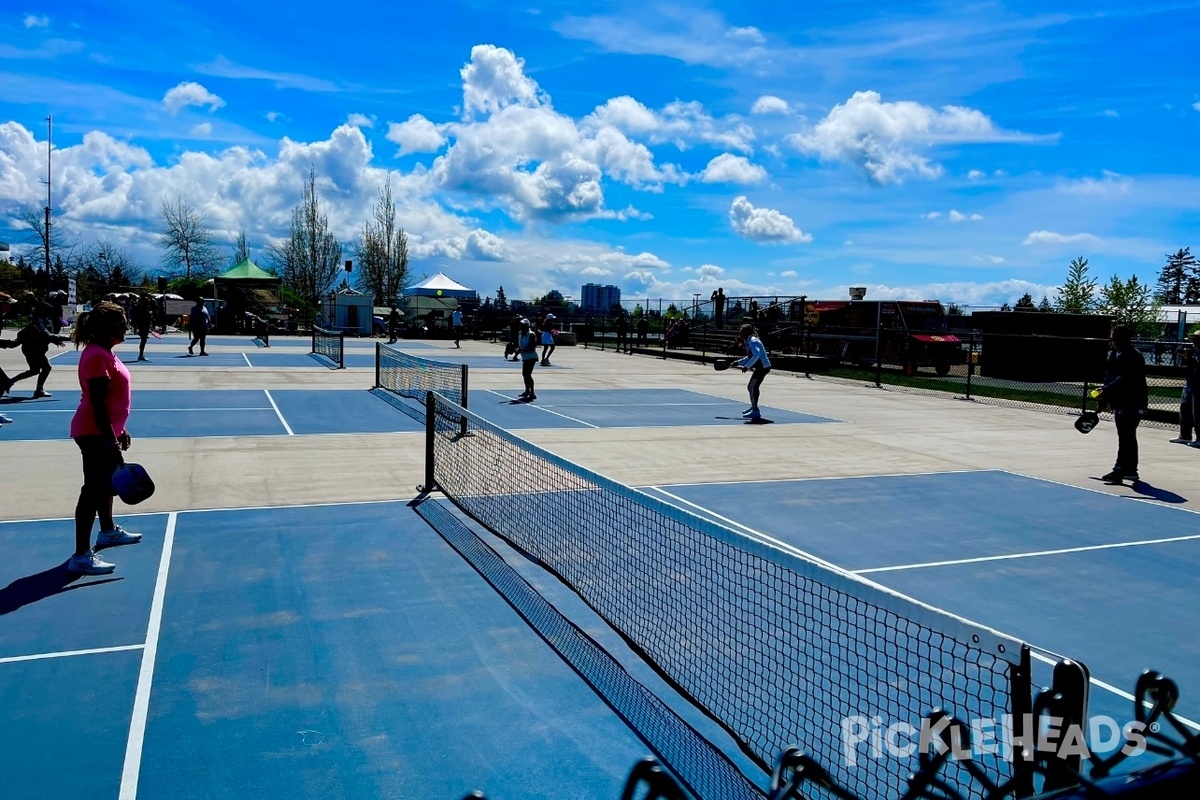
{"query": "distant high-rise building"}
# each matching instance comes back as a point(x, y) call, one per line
point(597, 299)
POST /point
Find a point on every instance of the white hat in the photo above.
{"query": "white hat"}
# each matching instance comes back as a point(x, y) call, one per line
point(524, 321)
point(549, 316)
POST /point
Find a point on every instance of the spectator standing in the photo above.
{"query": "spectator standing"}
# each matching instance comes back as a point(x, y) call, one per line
point(456, 322)
point(718, 301)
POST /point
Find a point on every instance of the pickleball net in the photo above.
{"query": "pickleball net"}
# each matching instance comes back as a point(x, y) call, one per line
point(405, 380)
point(777, 647)
point(330, 345)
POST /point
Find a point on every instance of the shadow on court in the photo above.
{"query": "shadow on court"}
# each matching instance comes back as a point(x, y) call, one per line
point(1154, 493)
point(47, 583)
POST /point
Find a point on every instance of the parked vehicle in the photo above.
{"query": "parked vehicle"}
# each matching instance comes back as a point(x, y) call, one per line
point(908, 333)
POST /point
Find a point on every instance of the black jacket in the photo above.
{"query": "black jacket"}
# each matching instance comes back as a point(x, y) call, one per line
point(1125, 386)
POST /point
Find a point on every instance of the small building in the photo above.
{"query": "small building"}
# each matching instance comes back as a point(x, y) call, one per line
point(348, 310)
point(5, 253)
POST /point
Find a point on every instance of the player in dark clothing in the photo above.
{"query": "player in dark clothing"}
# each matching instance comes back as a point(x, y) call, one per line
point(143, 319)
point(1126, 392)
point(35, 339)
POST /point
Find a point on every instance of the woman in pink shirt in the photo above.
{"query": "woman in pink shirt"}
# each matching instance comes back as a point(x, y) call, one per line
point(98, 427)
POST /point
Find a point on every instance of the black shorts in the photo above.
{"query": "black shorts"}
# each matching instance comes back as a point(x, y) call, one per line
point(100, 461)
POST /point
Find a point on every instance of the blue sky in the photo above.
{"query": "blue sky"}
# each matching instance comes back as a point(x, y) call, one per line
point(959, 151)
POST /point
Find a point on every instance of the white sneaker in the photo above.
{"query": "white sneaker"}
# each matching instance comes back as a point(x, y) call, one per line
point(90, 564)
point(1180, 440)
point(747, 412)
point(117, 537)
point(40, 393)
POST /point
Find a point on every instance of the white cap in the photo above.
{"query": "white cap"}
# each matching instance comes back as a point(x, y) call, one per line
point(549, 316)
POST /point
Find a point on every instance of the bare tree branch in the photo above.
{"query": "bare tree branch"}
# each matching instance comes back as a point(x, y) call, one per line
point(188, 243)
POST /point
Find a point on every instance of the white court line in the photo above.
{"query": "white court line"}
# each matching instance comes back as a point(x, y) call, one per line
point(1096, 491)
point(834, 477)
point(278, 413)
point(141, 700)
point(1033, 554)
point(1108, 687)
point(546, 410)
point(248, 364)
point(69, 653)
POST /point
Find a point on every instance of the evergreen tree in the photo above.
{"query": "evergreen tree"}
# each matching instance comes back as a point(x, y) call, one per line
point(501, 300)
point(1078, 294)
point(1025, 303)
point(1179, 278)
point(1045, 304)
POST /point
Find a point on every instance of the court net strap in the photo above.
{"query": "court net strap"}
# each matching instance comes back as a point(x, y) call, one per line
point(778, 649)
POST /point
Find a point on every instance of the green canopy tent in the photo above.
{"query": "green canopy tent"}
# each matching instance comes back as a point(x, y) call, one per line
point(246, 289)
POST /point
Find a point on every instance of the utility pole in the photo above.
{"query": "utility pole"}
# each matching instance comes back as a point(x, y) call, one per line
point(49, 151)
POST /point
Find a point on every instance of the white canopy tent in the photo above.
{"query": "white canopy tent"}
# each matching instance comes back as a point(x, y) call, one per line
point(434, 298)
point(440, 285)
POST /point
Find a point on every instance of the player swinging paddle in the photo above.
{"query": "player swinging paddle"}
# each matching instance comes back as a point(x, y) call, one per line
point(756, 359)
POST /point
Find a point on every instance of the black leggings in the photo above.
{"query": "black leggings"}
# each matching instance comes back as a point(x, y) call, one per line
point(527, 374)
point(755, 384)
point(198, 338)
point(38, 363)
point(100, 461)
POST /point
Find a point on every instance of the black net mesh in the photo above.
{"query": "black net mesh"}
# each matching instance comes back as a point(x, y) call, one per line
point(778, 649)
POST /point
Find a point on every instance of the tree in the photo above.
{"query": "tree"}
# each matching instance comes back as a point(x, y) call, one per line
point(1045, 304)
point(309, 260)
point(33, 220)
point(189, 244)
point(1025, 303)
point(501, 300)
point(1179, 279)
point(1130, 303)
point(383, 251)
point(1078, 294)
point(241, 251)
point(954, 310)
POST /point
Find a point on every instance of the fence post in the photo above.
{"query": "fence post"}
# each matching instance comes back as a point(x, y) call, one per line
point(879, 345)
point(803, 333)
point(970, 362)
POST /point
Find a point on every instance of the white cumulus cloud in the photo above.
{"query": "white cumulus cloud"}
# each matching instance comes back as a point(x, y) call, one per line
point(887, 140)
point(1051, 237)
point(957, 216)
point(416, 135)
point(34, 21)
point(203, 130)
point(360, 121)
point(770, 104)
point(495, 79)
point(788, 273)
point(975, 175)
point(763, 224)
point(190, 93)
point(728, 168)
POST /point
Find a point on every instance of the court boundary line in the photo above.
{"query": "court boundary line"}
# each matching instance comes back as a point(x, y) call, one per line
point(1030, 554)
point(1042, 654)
point(91, 651)
point(278, 413)
point(544, 409)
point(247, 357)
point(1093, 490)
point(131, 771)
point(830, 477)
point(834, 419)
point(157, 410)
point(164, 513)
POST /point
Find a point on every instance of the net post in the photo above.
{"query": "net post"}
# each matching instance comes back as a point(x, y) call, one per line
point(342, 349)
point(430, 432)
point(313, 346)
point(462, 421)
point(378, 363)
point(1024, 730)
